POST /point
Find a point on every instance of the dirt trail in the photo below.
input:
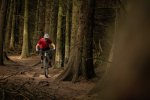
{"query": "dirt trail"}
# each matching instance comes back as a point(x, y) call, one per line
point(22, 73)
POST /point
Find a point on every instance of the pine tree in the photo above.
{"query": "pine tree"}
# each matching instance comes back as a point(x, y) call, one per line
point(25, 46)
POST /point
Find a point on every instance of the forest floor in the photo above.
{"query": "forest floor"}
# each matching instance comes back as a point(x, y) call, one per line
point(20, 79)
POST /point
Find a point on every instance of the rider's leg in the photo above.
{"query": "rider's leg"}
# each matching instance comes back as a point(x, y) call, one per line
point(42, 61)
point(41, 54)
point(50, 59)
point(41, 58)
point(50, 63)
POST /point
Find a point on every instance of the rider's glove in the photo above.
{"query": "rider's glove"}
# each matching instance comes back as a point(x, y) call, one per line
point(37, 49)
point(54, 49)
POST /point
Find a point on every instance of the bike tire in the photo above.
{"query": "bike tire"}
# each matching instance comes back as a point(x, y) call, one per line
point(45, 67)
point(46, 72)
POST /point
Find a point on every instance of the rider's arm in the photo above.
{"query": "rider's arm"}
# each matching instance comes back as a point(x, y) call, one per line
point(37, 46)
point(53, 45)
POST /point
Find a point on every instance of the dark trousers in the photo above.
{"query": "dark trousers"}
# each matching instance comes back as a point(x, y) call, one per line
point(41, 52)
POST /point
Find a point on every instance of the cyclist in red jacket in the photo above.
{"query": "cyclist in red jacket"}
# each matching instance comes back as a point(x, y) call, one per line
point(44, 44)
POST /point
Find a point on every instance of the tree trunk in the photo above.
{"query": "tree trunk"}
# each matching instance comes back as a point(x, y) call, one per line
point(2, 22)
point(59, 54)
point(20, 20)
point(37, 17)
point(25, 47)
point(12, 39)
point(0, 3)
point(53, 20)
point(68, 30)
point(8, 27)
point(41, 23)
point(88, 68)
point(47, 16)
point(35, 36)
point(78, 61)
point(75, 20)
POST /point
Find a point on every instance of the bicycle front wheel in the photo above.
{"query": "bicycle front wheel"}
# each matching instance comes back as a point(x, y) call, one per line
point(46, 67)
point(46, 72)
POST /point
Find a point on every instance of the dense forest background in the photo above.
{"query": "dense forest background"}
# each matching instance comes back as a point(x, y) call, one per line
point(104, 39)
point(78, 28)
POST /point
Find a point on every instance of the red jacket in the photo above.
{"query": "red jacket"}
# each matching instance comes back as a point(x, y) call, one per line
point(43, 44)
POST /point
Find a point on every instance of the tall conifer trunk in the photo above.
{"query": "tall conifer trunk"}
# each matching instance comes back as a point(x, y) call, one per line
point(12, 39)
point(58, 58)
point(53, 20)
point(75, 21)
point(25, 47)
point(2, 23)
point(8, 27)
point(41, 23)
point(68, 29)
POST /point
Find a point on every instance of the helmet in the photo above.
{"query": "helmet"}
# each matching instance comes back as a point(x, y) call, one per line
point(46, 35)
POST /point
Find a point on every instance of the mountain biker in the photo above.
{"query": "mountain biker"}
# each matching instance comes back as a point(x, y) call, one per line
point(44, 44)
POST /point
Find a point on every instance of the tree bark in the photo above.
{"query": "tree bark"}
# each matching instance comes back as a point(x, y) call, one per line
point(47, 16)
point(25, 47)
point(88, 68)
point(20, 20)
point(0, 3)
point(75, 20)
point(58, 58)
point(2, 22)
point(41, 23)
point(68, 30)
point(12, 39)
point(53, 20)
point(37, 17)
point(8, 27)
point(36, 35)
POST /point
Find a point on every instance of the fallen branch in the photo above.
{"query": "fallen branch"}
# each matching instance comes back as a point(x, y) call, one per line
point(9, 76)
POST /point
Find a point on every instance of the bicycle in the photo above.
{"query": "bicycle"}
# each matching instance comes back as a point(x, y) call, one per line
point(47, 61)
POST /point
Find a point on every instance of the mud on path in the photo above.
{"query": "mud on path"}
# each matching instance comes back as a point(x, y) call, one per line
point(20, 80)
